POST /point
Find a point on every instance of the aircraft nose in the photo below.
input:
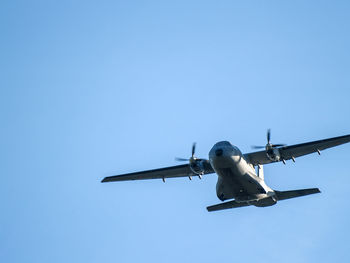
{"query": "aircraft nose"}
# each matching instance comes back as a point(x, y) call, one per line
point(223, 149)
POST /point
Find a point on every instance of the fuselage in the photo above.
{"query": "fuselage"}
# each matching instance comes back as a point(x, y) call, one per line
point(237, 178)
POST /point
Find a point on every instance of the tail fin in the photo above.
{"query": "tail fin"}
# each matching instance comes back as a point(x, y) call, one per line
point(282, 195)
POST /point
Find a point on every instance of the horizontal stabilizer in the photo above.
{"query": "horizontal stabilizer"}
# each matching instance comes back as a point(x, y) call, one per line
point(282, 195)
point(226, 205)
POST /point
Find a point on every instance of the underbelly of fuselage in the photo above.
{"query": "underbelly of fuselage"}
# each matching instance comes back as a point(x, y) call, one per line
point(237, 179)
point(241, 186)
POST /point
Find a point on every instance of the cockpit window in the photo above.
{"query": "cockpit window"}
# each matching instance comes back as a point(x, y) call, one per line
point(219, 152)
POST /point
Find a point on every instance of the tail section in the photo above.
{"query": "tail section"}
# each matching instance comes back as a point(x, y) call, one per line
point(279, 195)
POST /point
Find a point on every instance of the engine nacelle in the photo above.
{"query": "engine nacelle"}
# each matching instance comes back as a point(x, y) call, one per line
point(273, 154)
point(197, 166)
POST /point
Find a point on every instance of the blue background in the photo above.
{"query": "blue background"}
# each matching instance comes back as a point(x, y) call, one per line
point(96, 88)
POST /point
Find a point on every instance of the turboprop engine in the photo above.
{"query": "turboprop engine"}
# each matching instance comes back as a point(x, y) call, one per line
point(272, 152)
point(197, 165)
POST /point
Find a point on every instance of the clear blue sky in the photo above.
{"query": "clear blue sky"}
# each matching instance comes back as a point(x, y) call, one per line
point(96, 88)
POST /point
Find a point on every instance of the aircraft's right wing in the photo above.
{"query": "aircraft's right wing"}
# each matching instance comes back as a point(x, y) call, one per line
point(162, 173)
point(297, 150)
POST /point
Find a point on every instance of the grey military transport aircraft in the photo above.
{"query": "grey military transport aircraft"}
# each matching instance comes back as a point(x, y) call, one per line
point(240, 176)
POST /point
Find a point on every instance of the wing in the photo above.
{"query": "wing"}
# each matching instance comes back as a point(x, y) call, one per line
point(162, 173)
point(297, 150)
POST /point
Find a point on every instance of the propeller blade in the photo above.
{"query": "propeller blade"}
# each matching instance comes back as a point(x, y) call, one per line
point(268, 135)
point(193, 148)
point(257, 147)
point(269, 144)
point(181, 159)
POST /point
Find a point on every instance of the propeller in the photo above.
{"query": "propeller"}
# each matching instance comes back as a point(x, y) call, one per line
point(192, 158)
point(269, 145)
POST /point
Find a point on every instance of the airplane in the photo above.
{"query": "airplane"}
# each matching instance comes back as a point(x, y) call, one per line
point(240, 176)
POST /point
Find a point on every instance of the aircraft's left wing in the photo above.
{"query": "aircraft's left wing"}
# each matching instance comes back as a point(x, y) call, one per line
point(297, 150)
point(162, 173)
